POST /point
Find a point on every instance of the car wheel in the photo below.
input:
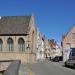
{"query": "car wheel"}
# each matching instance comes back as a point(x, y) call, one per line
point(74, 66)
point(65, 64)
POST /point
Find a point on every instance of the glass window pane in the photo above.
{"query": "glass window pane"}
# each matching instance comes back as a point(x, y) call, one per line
point(21, 44)
point(10, 44)
point(1, 42)
point(68, 46)
point(73, 36)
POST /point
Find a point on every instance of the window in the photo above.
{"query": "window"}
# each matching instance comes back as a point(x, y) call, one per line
point(21, 44)
point(68, 46)
point(73, 35)
point(10, 44)
point(1, 43)
point(73, 54)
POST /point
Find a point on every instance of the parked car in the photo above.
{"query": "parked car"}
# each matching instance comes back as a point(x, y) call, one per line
point(60, 58)
point(56, 59)
point(71, 60)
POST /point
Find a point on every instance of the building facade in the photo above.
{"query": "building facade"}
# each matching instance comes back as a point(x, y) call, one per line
point(58, 51)
point(40, 46)
point(47, 49)
point(52, 44)
point(68, 42)
point(18, 38)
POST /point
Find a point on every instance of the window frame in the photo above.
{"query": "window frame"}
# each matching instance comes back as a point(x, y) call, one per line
point(10, 44)
point(21, 45)
point(1, 44)
point(73, 36)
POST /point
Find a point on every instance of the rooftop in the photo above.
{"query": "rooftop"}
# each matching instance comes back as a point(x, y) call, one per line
point(14, 24)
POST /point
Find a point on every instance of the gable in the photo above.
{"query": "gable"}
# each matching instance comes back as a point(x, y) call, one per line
point(70, 33)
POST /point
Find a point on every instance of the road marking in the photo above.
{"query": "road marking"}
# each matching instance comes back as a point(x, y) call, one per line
point(29, 70)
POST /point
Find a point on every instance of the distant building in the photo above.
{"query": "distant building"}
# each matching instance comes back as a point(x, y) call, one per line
point(40, 46)
point(48, 48)
point(68, 42)
point(43, 46)
point(18, 38)
point(53, 48)
point(58, 50)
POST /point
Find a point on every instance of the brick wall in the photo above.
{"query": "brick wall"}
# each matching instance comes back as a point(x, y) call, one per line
point(68, 39)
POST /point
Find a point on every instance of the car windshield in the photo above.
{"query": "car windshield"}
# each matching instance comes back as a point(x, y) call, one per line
point(72, 56)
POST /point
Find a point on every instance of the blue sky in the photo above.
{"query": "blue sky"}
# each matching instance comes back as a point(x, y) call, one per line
point(53, 17)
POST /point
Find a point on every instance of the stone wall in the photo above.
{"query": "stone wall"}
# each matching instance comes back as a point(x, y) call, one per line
point(24, 57)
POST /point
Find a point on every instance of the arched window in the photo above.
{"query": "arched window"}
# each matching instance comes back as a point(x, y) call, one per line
point(1, 43)
point(21, 44)
point(10, 44)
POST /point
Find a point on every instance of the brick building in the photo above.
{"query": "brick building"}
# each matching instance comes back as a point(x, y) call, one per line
point(68, 42)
